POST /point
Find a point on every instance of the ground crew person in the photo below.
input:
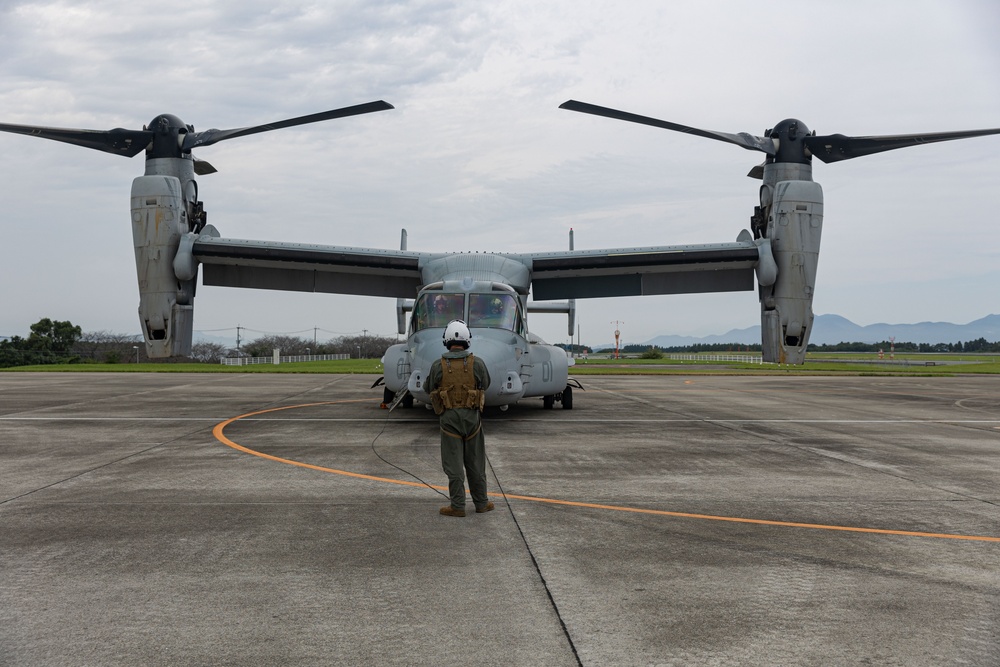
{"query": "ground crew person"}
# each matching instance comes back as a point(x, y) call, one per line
point(457, 384)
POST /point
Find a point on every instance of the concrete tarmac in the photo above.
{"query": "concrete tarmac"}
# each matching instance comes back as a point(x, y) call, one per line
point(169, 519)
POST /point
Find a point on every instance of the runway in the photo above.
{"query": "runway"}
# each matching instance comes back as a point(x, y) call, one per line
point(667, 520)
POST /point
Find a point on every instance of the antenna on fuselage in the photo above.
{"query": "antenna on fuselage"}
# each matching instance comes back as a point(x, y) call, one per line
point(403, 306)
point(571, 302)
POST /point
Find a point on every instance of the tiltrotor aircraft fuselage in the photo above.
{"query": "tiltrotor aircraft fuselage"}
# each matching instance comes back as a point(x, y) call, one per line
point(489, 292)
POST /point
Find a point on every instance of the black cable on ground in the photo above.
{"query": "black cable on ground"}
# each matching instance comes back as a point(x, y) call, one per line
point(534, 562)
point(406, 472)
point(517, 524)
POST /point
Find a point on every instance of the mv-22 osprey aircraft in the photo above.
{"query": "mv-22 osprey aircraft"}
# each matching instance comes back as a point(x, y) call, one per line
point(488, 290)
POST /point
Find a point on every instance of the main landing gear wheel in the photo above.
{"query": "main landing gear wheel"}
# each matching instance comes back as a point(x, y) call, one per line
point(389, 396)
point(548, 402)
point(567, 398)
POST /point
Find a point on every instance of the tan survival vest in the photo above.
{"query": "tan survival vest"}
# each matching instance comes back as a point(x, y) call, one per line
point(458, 387)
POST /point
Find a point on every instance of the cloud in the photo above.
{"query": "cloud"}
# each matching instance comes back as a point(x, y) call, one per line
point(477, 156)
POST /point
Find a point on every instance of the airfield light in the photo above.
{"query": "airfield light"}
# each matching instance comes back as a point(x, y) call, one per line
point(618, 334)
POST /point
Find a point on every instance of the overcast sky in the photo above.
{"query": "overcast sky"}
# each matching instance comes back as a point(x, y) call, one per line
point(477, 156)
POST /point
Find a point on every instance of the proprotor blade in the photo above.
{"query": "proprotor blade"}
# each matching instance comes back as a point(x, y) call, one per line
point(837, 147)
point(209, 137)
point(748, 141)
point(118, 141)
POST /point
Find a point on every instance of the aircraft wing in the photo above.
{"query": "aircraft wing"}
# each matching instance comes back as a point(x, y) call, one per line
point(684, 269)
point(302, 267)
point(574, 274)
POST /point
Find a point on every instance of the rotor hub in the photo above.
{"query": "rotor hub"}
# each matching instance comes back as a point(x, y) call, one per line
point(168, 137)
point(789, 136)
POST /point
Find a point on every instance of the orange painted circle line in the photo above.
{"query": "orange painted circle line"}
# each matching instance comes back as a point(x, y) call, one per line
point(217, 432)
point(220, 436)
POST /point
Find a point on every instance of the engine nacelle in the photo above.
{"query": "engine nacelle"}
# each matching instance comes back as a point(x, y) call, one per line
point(166, 304)
point(794, 227)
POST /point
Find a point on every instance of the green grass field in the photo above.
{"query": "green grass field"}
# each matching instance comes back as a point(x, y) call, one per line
point(346, 366)
point(927, 365)
point(828, 364)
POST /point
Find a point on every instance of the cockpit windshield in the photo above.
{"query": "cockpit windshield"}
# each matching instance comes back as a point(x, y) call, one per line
point(490, 310)
point(498, 311)
point(437, 310)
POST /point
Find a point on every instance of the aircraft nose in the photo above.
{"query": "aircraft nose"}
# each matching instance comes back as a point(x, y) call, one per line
point(501, 360)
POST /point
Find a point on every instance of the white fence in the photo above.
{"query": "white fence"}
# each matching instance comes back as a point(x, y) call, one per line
point(738, 358)
point(278, 359)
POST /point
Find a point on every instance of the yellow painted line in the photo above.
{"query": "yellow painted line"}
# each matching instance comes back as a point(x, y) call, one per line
point(220, 436)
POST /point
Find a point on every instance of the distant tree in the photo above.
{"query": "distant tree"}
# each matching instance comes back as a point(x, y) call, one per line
point(110, 347)
point(688, 349)
point(982, 345)
point(979, 345)
point(49, 342)
point(211, 353)
point(370, 347)
point(289, 345)
point(53, 336)
point(12, 352)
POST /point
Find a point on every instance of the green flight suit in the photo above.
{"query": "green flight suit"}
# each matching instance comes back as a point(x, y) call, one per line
point(463, 447)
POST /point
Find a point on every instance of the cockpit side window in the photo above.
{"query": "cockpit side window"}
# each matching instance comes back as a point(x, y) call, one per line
point(498, 311)
point(436, 310)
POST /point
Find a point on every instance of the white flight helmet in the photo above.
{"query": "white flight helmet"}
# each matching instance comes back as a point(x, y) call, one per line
point(457, 333)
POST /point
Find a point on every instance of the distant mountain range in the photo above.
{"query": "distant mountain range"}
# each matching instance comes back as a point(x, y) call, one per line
point(827, 330)
point(833, 329)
